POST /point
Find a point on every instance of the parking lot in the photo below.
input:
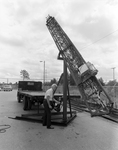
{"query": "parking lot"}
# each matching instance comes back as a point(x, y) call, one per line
point(83, 133)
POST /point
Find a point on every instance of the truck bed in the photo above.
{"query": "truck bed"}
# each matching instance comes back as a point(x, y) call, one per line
point(41, 93)
point(32, 93)
point(31, 97)
point(37, 93)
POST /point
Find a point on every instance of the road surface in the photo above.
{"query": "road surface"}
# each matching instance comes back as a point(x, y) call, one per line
point(83, 133)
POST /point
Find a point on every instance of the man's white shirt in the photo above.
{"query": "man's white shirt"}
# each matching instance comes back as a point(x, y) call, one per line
point(49, 93)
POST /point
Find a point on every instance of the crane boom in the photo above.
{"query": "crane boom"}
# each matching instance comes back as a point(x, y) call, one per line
point(83, 73)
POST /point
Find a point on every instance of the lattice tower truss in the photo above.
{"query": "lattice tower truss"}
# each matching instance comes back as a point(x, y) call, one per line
point(84, 73)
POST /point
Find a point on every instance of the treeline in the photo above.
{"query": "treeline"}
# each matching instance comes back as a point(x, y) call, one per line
point(109, 83)
point(25, 75)
point(72, 82)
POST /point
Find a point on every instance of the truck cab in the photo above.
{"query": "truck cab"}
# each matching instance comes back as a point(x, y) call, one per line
point(28, 86)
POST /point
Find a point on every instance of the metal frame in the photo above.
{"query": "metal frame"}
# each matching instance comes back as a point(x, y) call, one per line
point(83, 73)
point(58, 118)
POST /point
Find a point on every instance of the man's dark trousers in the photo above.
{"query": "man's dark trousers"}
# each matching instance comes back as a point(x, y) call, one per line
point(47, 114)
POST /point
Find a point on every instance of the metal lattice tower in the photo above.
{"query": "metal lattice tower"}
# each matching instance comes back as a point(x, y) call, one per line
point(83, 73)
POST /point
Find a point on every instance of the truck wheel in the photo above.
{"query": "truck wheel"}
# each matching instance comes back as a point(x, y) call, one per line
point(18, 98)
point(25, 103)
point(29, 104)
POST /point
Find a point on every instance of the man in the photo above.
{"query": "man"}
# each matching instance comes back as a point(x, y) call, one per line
point(48, 100)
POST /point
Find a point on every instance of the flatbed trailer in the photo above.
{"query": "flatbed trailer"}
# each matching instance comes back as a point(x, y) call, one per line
point(31, 97)
point(31, 94)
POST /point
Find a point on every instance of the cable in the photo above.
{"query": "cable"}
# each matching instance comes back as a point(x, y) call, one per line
point(99, 39)
point(5, 126)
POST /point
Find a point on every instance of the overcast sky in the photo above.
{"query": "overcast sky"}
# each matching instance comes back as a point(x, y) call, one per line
point(92, 25)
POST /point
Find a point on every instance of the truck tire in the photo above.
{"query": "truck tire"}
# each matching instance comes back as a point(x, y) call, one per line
point(29, 104)
point(25, 103)
point(18, 98)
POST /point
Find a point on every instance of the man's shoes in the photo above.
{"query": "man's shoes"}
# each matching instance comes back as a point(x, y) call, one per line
point(44, 124)
point(50, 127)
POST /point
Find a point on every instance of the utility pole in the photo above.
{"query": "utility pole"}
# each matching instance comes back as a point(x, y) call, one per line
point(113, 72)
point(7, 80)
point(43, 74)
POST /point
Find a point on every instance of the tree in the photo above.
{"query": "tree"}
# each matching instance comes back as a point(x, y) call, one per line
point(53, 81)
point(24, 74)
point(112, 83)
point(101, 81)
point(70, 80)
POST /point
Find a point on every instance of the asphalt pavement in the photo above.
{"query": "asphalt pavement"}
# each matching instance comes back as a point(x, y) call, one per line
point(83, 133)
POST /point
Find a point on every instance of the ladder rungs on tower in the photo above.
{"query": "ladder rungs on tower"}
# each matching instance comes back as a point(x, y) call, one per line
point(83, 73)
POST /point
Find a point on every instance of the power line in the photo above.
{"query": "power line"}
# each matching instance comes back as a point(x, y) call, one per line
point(99, 39)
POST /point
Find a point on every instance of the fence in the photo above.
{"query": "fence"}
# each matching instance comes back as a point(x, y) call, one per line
point(111, 90)
point(113, 93)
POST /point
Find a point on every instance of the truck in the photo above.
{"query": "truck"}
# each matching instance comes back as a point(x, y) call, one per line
point(7, 87)
point(30, 93)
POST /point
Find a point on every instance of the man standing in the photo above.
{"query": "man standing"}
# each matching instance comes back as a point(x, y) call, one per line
point(48, 100)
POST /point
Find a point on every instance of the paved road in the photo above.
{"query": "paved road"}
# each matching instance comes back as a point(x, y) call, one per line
point(84, 133)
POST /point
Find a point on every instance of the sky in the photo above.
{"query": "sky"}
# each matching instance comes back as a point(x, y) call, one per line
point(25, 42)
